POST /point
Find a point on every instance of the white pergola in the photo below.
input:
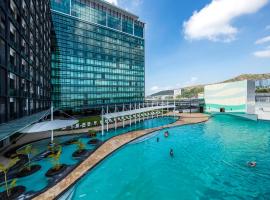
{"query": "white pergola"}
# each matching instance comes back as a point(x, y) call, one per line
point(138, 112)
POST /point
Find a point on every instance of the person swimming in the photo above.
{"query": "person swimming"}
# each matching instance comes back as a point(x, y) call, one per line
point(157, 139)
point(166, 134)
point(171, 153)
point(252, 164)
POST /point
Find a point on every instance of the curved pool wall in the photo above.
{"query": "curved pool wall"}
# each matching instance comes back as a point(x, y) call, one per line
point(37, 182)
point(210, 162)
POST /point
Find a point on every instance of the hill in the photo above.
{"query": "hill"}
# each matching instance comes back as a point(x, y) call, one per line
point(163, 93)
point(193, 91)
point(249, 77)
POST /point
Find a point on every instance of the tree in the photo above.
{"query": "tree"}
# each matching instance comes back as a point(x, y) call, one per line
point(28, 151)
point(80, 146)
point(92, 133)
point(5, 169)
point(55, 158)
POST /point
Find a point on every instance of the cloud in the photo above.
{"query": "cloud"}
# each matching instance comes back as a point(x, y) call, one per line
point(263, 40)
point(192, 81)
point(262, 54)
point(115, 2)
point(154, 88)
point(214, 21)
point(128, 4)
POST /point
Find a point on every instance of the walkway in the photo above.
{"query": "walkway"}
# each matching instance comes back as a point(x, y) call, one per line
point(32, 137)
point(108, 148)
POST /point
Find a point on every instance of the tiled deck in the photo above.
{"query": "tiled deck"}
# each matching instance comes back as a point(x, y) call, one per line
point(109, 147)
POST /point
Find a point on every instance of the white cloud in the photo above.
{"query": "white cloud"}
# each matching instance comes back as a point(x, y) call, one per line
point(192, 81)
point(154, 88)
point(214, 21)
point(115, 2)
point(263, 40)
point(262, 54)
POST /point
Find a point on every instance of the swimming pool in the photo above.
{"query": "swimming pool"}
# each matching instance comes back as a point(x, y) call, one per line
point(210, 162)
point(66, 156)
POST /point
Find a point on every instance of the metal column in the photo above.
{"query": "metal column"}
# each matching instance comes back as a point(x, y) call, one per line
point(102, 121)
point(130, 115)
point(123, 116)
point(115, 119)
point(107, 120)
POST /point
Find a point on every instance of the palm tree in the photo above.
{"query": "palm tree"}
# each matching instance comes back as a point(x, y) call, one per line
point(55, 158)
point(27, 150)
point(5, 169)
point(80, 146)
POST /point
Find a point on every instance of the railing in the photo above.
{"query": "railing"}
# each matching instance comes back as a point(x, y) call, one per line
point(263, 98)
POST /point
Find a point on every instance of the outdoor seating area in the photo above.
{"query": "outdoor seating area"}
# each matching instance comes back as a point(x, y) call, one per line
point(82, 126)
point(146, 115)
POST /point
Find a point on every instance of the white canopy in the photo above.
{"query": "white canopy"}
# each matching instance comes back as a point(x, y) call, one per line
point(136, 111)
point(49, 125)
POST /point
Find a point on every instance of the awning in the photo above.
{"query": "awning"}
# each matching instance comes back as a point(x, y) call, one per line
point(12, 127)
point(49, 125)
point(136, 111)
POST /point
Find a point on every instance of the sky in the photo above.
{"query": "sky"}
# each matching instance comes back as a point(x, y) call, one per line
point(190, 42)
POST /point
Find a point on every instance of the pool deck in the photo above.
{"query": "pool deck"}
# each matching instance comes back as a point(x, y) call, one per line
point(107, 149)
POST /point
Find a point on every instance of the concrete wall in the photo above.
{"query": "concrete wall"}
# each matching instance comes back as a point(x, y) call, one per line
point(263, 111)
point(233, 97)
point(251, 93)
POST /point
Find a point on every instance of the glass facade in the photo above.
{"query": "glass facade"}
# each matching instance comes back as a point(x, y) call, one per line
point(264, 83)
point(25, 58)
point(99, 55)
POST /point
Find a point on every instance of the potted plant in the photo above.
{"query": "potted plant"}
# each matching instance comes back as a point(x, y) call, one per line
point(28, 168)
point(57, 167)
point(70, 142)
point(81, 151)
point(92, 133)
point(11, 190)
point(52, 149)
point(94, 141)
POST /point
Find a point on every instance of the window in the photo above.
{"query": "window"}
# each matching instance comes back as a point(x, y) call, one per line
point(2, 23)
point(3, 80)
point(12, 58)
point(2, 52)
point(13, 9)
point(2, 109)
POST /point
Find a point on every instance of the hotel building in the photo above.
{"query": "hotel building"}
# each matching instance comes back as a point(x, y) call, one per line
point(25, 63)
point(99, 57)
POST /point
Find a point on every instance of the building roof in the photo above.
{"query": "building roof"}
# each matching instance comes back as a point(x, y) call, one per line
point(12, 127)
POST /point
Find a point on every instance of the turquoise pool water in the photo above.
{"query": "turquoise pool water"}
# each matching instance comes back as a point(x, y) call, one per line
point(38, 181)
point(210, 162)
